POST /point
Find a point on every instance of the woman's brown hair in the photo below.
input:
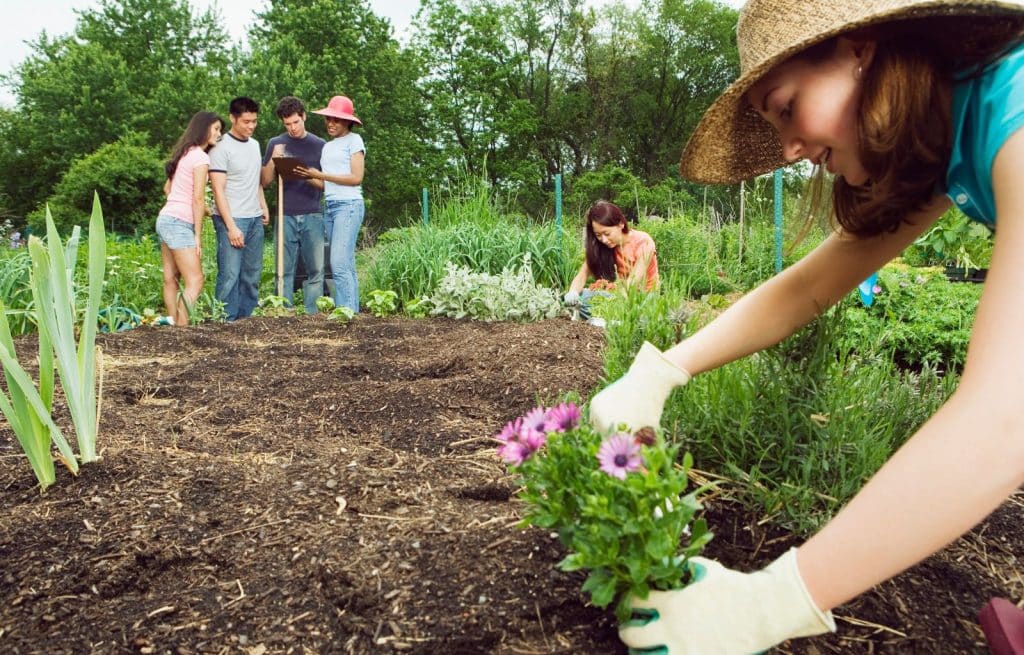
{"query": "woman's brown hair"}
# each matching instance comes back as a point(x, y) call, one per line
point(196, 134)
point(601, 258)
point(906, 115)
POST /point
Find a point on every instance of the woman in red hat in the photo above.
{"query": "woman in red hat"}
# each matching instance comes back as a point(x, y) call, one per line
point(342, 176)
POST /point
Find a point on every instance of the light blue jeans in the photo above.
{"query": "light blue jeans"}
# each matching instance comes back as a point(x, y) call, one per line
point(342, 220)
point(239, 269)
point(304, 235)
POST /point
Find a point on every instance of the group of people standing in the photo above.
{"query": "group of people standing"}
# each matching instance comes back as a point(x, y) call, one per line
point(322, 203)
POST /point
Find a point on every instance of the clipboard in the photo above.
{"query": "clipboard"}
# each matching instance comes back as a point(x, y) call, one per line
point(285, 167)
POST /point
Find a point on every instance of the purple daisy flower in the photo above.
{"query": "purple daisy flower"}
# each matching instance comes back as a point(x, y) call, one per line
point(619, 454)
point(521, 444)
point(562, 417)
point(509, 432)
point(535, 418)
point(513, 453)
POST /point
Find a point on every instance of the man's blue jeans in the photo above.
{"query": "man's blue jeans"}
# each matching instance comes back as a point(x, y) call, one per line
point(342, 221)
point(239, 269)
point(304, 234)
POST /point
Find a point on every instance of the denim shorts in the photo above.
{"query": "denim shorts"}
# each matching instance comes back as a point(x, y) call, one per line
point(176, 233)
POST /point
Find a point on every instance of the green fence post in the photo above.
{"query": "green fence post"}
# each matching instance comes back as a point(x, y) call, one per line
point(426, 208)
point(558, 203)
point(778, 220)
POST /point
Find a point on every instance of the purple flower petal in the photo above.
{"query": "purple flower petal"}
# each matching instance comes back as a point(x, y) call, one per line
point(509, 432)
point(619, 454)
point(535, 418)
point(562, 417)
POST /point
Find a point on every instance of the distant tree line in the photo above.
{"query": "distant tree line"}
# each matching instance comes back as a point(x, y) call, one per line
point(513, 92)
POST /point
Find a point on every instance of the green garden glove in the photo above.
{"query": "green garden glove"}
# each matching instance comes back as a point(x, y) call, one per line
point(638, 397)
point(725, 612)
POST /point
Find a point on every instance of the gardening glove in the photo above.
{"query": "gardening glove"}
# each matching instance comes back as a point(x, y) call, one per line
point(638, 397)
point(726, 612)
point(571, 297)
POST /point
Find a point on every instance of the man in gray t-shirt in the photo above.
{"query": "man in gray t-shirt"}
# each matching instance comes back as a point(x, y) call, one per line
point(241, 211)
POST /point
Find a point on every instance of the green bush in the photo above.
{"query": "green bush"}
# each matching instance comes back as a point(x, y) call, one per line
point(127, 176)
point(920, 317)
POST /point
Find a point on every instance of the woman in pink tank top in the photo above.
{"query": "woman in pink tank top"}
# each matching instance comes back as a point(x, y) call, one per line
point(179, 224)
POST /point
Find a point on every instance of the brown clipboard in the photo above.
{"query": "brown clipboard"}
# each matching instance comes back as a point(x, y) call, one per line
point(285, 167)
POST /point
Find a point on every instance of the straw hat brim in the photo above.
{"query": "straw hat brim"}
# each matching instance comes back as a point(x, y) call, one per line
point(733, 143)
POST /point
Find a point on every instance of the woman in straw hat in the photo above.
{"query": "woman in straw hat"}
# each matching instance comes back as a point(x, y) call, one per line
point(910, 105)
point(342, 163)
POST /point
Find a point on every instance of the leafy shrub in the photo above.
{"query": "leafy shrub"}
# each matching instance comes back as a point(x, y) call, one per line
point(382, 302)
point(955, 239)
point(510, 296)
point(127, 176)
point(920, 317)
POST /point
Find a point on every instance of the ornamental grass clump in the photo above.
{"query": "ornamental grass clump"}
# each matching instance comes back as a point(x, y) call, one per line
point(617, 503)
point(29, 410)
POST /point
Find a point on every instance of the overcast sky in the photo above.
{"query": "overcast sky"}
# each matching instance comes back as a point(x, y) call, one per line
point(23, 20)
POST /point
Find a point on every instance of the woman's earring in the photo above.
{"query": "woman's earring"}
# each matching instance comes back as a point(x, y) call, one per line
point(859, 73)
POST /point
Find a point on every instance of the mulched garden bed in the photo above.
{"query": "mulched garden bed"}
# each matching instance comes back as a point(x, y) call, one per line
point(298, 486)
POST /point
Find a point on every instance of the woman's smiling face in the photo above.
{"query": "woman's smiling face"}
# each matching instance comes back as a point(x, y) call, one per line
point(813, 107)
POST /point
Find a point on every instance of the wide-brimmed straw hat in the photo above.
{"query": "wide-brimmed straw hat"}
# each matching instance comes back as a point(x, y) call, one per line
point(340, 107)
point(732, 142)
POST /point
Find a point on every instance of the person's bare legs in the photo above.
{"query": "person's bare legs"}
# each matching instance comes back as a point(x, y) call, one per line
point(171, 275)
point(190, 267)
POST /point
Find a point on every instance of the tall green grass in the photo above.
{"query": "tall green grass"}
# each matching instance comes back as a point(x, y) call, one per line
point(469, 230)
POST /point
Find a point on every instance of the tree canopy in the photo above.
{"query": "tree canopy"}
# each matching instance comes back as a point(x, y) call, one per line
point(514, 92)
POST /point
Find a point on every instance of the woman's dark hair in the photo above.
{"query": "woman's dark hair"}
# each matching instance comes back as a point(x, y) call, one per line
point(196, 134)
point(905, 114)
point(601, 258)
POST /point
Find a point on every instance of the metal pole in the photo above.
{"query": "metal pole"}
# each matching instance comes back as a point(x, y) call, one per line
point(280, 235)
point(778, 220)
point(558, 203)
point(426, 208)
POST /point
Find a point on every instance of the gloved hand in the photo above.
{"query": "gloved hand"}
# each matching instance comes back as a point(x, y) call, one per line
point(571, 297)
point(638, 397)
point(725, 612)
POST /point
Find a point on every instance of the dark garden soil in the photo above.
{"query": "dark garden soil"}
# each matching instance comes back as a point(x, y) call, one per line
point(297, 486)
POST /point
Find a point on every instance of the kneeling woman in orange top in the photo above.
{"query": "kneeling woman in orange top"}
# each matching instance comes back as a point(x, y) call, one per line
point(613, 253)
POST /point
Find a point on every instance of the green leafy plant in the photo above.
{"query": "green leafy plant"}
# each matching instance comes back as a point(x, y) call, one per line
point(510, 296)
point(324, 304)
point(341, 314)
point(618, 504)
point(418, 307)
point(955, 240)
point(273, 306)
point(382, 302)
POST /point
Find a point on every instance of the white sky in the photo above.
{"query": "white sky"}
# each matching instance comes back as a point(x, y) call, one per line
point(23, 20)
